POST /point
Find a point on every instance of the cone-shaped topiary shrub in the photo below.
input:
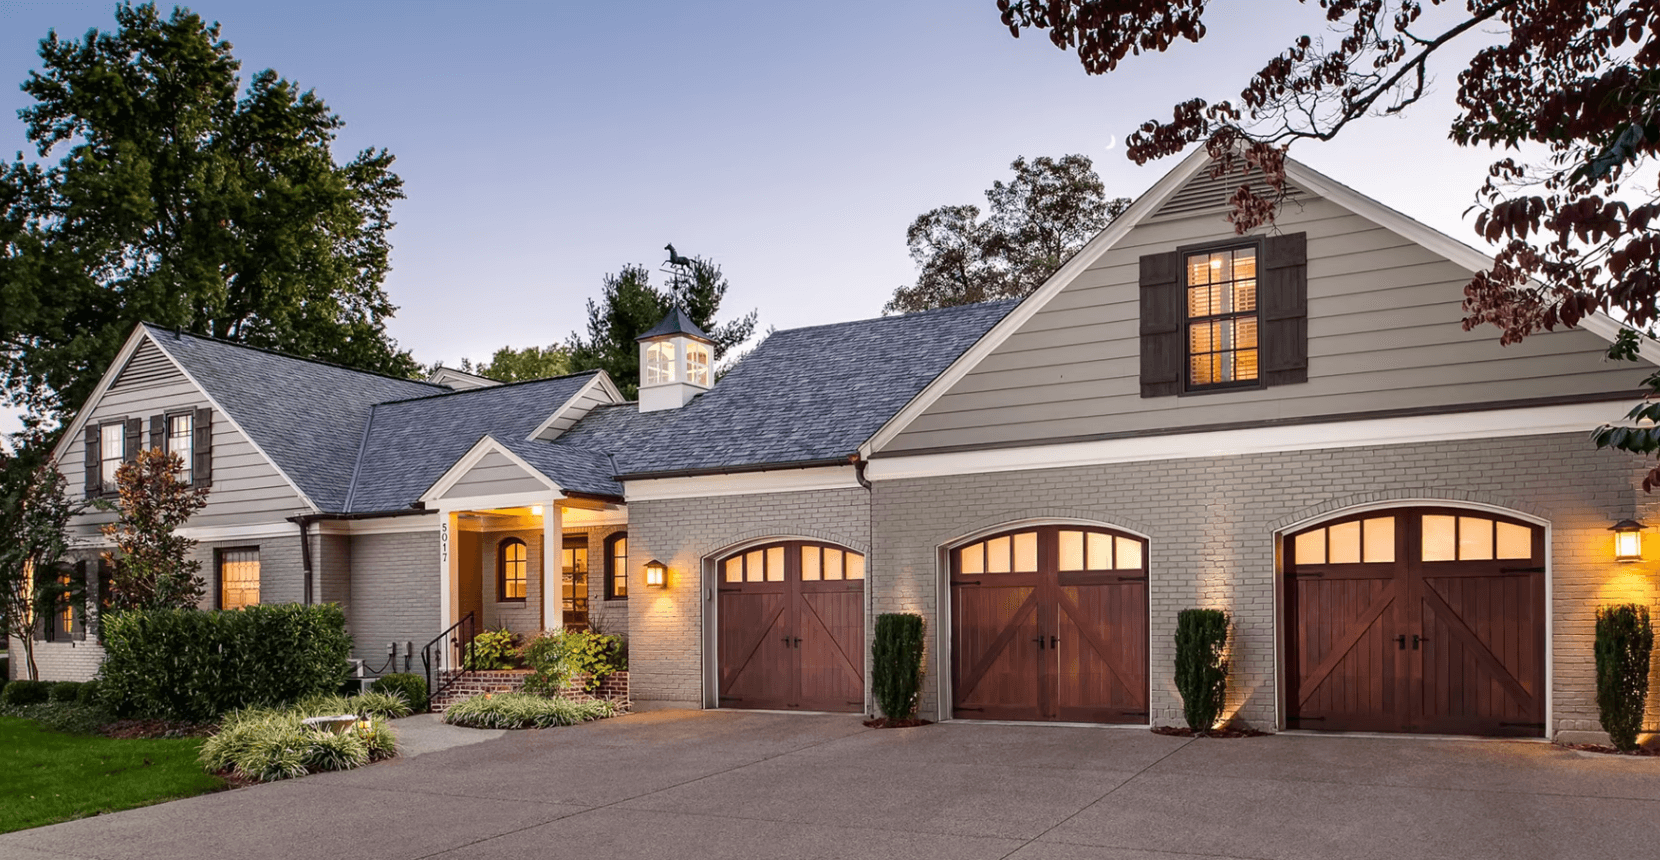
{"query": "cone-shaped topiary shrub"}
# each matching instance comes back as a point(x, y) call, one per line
point(1624, 641)
point(896, 664)
point(1202, 665)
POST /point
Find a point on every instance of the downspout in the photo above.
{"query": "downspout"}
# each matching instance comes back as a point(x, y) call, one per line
point(304, 522)
point(859, 464)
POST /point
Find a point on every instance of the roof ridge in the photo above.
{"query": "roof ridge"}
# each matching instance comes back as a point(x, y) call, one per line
point(488, 388)
point(910, 316)
point(158, 330)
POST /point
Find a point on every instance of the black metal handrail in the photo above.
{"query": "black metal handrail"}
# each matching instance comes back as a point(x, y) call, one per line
point(448, 652)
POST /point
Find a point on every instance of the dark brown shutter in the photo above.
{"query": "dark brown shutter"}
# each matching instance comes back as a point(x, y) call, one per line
point(1161, 325)
point(201, 471)
point(80, 604)
point(158, 432)
point(106, 591)
point(135, 439)
point(1283, 297)
point(94, 482)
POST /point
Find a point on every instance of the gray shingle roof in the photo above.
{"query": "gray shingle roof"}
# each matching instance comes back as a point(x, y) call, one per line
point(307, 415)
point(807, 394)
point(411, 443)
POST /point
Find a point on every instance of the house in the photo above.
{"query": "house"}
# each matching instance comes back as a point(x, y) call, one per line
point(1406, 520)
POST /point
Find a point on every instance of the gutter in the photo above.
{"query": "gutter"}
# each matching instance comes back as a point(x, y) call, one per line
point(304, 521)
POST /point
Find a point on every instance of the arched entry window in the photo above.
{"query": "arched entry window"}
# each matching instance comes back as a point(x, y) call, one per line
point(791, 627)
point(1050, 623)
point(1424, 619)
point(511, 570)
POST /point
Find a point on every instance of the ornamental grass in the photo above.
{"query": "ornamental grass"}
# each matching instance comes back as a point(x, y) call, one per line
point(524, 711)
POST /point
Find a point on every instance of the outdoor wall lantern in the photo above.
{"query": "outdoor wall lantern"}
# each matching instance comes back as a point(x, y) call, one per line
point(1628, 540)
point(657, 574)
point(535, 510)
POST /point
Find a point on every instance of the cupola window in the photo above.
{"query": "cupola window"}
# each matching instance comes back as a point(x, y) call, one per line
point(659, 363)
point(697, 364)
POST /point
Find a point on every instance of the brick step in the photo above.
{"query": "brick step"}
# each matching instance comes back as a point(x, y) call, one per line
point(469, 684)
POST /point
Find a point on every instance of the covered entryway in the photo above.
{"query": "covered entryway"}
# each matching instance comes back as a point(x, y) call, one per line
point(792, 628)
point(1416, 620)
point(1050, 623)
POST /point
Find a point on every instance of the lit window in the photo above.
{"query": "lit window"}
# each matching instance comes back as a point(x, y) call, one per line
point(616, 576)
point(510, 570)
point(238, 578)
point(1222, 317)
point(1366, 541)
point(574, 596)
point(697, 364)
point(112, 450)
point(181, 434)
point(659, 363)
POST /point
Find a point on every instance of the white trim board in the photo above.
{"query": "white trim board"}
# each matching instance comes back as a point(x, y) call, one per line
point(1533, 421)
point(601, 381)
point(1298, 173)
point(742, 484)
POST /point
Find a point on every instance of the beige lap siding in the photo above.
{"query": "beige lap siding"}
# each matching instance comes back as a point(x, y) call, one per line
point(1211, 523)
point(666, 651)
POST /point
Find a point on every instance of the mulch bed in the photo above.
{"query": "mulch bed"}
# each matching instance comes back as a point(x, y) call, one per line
point(1179, 732)
point(130, 729)
point(885, 723)
point(1608, 750)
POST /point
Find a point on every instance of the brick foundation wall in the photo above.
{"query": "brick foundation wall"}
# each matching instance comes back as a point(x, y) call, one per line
point(666, 643)
point(1211, 524)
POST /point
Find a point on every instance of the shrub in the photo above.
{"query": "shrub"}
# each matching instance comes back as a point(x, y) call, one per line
point(896, 664)
point(1202, 665)
point(64, 691)
point(492, 649)
point(413, 688)
point(556, 656)
point(90, 694)
point(1624, 642)
point(25, 693)
point(194, 666)
point(268, 745)
point(523, 711)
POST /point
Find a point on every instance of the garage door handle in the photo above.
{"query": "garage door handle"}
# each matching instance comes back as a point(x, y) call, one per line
point(1054, 640)
point(1039, 641)
point(797, 641)
point(1401, 641)
point(1416, 639)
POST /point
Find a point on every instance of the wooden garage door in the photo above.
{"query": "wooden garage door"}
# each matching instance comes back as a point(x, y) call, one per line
point(792, 628)
point(1050, 623)
point(1418, 620)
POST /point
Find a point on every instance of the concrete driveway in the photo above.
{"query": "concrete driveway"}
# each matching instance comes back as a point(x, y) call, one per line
point(687, 785)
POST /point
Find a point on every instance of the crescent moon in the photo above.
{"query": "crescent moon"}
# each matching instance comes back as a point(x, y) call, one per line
point(1112, 141)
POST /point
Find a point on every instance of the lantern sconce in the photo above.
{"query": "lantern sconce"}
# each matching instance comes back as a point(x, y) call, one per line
point(1628, 540)
point(657, 574)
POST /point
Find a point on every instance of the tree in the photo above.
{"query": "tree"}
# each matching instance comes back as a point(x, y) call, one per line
point(629, 306)
point(34, 511)
point(1034, 223)
point(152, 564)
point(178, 202)
point(517, 365)
point(1575, 233)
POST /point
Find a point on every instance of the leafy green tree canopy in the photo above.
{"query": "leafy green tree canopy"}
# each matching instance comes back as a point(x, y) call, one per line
point(1033, 223)
point(180, 200)
point(34, 510)
point(517, 365)
point(629, 306)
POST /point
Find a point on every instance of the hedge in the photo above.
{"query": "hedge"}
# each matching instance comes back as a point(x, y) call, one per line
point(186, 664)
point(896, 664)
point(25, 693)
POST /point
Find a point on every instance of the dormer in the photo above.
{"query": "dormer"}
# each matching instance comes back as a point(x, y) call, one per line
point(676, 363)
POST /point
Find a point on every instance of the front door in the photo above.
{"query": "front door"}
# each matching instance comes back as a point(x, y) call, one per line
point(1417, 620)
point(792, 628)
point(1050, 623)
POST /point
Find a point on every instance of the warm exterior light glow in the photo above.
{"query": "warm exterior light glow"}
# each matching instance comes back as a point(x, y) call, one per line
point(535, 510)
point(1628, 540)
point(657, 574)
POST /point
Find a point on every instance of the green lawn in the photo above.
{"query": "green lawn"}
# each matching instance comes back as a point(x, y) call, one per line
point(49, 777)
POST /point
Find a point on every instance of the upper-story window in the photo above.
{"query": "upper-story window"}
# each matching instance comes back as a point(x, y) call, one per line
point(1222, 317)
point(697, 364)
point(112, 450)
point(181, 435)
point(659, 363)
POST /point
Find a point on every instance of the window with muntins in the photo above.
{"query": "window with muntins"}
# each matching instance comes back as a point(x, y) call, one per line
point(181, 438)
point(697, 364)
point(112, 451)
point(1221, 317)
point(511, 568)
point(238, 578)
point(659, 363)
point(616, 570)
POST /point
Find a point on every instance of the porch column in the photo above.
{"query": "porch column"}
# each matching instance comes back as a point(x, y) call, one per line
point(553, 578)
point(449, 578)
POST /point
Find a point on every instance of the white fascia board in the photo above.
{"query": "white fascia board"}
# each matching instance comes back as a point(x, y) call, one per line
point(1080, 262)
point(75, 427)
point(225, 413)
point(378, 526)
point(480, 449)
point(742, 484)
point(503, 500)
point(215, 534)
point(1578, 418)
point(601, 383)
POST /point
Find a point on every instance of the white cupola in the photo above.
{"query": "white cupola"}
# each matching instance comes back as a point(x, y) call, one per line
point(675, 363)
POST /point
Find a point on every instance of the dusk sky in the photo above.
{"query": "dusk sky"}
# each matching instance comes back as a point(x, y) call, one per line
point(543, 145)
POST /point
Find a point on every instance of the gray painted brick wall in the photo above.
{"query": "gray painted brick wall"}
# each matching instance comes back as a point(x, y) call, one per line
point(394, 595)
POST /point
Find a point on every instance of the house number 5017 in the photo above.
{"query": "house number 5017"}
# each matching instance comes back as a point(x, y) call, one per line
point(444, 543)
